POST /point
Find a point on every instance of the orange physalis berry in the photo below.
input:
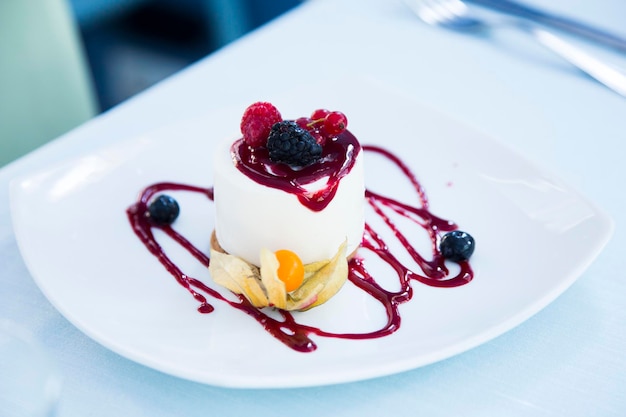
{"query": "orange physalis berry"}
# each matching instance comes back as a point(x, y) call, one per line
point(290, 269)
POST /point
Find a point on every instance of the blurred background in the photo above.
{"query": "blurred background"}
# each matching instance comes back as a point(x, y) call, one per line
point(132, 44)
point(64, 61)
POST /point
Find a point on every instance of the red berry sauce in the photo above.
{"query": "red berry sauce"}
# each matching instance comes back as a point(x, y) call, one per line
point(289, 331)
point(338, 157)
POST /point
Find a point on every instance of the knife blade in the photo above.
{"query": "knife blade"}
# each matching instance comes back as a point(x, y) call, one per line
point(562, 23)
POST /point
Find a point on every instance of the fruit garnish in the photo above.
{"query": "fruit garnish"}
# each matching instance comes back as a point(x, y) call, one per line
point(238, 276)
point(335, 122)
point(314, 128)
point(290, 269)
point(163, 210)
point(256, 122)
point(290, 144)
point(304, 123)
point(320, 114)
point(263, 287)
point(322, 280)
point(457, 246)
point(324, 124)
point(259, 118)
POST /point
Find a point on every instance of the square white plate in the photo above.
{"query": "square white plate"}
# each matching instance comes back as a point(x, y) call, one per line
point(534, 237)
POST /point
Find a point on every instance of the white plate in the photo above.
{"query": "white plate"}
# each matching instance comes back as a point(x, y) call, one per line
point(534, 237)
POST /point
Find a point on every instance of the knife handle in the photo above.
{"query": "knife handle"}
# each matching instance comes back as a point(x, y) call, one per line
point(601, 72)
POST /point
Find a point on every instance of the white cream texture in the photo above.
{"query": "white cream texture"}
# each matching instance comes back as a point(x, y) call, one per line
point(251, 216)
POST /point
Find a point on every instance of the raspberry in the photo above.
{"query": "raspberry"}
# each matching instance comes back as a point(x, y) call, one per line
point(290, 144)
point(257, 121)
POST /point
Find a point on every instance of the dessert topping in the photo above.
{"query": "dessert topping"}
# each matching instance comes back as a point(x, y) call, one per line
point(319, 114)
point(324, 124)
point(256, 122)
point(263, 286)
point(290, 144)
point(290, 269)
point(457, 246)
point(163, 210)
point(335, 122)
point(259, 118)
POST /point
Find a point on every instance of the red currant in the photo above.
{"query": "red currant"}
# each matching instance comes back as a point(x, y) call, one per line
point(304, 122)
point(319, 136)
point(319, 114)
point(335, 123)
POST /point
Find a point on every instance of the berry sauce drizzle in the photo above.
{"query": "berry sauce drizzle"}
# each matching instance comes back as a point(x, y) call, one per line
point(296, 335)
point(337, 159)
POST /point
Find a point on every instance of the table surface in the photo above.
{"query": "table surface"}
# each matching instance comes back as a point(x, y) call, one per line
point(569, 359)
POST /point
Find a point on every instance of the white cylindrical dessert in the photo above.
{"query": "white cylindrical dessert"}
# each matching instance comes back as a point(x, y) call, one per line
point(250, 216)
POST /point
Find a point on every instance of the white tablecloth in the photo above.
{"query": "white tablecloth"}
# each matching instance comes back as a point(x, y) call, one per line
point(568, 360)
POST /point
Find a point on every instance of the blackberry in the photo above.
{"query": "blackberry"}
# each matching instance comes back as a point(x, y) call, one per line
point(290, 144)
point(163, 210)
point(457, 246)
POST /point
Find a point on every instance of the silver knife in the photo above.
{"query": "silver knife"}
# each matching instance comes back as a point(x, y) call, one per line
point(557, 22)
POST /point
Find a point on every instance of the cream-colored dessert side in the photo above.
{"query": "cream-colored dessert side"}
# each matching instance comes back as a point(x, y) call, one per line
point(251, 216)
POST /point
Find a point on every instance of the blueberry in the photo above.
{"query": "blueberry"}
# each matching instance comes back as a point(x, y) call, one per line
point(163, 210)
point(457, 246)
